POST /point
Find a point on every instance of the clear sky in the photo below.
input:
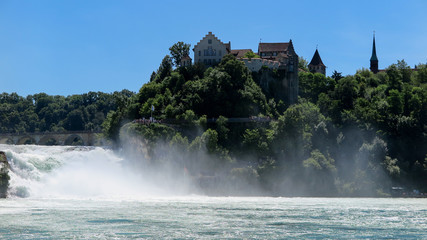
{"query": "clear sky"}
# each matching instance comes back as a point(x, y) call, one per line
point(76, 46)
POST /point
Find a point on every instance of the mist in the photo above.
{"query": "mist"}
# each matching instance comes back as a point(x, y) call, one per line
point(82, 172)
point(353, 164)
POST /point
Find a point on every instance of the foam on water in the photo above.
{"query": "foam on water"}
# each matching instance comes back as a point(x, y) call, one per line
point(89, 193)
point(214, 218)
point(78, 172)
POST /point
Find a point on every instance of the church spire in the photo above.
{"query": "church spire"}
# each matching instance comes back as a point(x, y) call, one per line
point(374, 59)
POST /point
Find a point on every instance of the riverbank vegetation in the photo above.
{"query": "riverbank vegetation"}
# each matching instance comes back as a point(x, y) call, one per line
point(357, 135)
point(42, 112)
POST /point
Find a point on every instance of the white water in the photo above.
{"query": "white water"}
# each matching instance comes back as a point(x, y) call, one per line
point(75, 172)
point(89, 193)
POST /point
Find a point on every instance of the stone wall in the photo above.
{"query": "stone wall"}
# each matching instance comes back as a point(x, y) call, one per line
point(255, 64)
point(279, 84)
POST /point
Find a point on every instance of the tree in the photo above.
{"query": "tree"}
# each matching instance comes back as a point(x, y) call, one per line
point(395, 102)
point(178, 51)
point(302, 64)
point(336, 75)
point(165, 68)
point(250, 55)
point(74, 120)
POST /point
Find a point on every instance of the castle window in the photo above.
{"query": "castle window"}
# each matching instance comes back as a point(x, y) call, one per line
point(209, 52)
point(200, 53)
point(209, 62)
point(210, 41)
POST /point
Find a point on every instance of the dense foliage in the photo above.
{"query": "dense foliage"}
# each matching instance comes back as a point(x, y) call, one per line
point(41, 112)
point(357, 135)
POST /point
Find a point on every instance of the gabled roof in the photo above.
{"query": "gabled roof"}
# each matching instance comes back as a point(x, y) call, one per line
point(227, 45)
point(240, 53)
point(316, 60)
point(186, 58)
point(273, 47)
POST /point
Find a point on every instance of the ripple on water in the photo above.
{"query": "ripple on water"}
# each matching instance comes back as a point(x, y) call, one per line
point(111, 221)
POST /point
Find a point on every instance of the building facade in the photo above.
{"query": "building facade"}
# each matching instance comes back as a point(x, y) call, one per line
point(185, 61)
point(273, 56)
point(284, 55)
point(210, 50)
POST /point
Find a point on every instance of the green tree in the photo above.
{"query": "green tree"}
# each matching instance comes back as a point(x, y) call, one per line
point(302, 63)
point(336, 75)
point(178, 51)
point(250, 55)
point(165, 68)
point(395, 102)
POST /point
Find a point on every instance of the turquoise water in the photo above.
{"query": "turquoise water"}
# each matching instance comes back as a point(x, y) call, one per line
point(90, 193)
point(213, 218)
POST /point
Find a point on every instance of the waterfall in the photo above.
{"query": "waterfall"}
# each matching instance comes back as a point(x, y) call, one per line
point(65, 171)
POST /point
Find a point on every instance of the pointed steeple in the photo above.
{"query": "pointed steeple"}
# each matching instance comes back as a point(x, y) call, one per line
point(316, 64)
point(374, 59)
point(316, 60)
point(374, 51)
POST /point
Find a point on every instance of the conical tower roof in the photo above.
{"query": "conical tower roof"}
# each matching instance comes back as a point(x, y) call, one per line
point(374, 52)
point(316, 60)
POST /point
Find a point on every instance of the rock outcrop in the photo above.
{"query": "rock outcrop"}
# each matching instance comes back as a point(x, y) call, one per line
point(4, 175)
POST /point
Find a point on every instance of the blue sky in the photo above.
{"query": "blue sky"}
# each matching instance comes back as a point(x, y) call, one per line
point(73, 47)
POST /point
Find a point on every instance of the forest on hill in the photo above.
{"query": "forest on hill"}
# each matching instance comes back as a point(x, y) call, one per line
point(45, 113)
point(356, 135)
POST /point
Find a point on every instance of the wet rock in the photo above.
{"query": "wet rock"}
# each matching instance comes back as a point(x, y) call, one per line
point(4, 175)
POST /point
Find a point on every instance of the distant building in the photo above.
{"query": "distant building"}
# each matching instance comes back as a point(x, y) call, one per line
point(185, 61)
point(280, 56)
point(374, 59)
point(316, 65)
point(240, 53)
point(210, 50)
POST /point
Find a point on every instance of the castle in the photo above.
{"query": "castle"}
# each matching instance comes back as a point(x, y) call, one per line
point(274, 56)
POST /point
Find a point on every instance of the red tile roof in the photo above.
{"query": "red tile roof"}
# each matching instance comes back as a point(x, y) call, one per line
point(240, 53)
point(186, 58)
point(273, 47)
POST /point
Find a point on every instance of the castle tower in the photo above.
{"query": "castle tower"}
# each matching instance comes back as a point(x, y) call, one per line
point(316, 65)
point(374, 59)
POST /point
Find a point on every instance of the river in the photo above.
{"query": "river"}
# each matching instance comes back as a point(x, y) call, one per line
point(87, 193)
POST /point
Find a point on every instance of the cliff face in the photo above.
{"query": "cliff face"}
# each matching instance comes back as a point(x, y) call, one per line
point(4, 175)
